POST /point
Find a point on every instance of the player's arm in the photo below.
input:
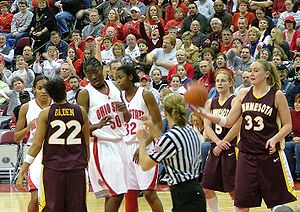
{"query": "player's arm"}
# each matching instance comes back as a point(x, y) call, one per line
point(86, 131)
point(154, 112)
point(209, 132)
point(20, 130)
point(121, 106)
point(36, 146)
point(285, 118)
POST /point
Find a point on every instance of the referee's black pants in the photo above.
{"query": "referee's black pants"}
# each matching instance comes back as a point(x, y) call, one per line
point(188, 197)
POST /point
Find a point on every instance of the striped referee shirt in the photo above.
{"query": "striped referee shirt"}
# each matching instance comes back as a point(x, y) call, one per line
point(180, 151)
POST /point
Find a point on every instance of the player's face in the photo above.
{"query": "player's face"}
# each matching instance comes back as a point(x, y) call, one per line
point(257, 73)
point(123, 80)
point(95, 76)
point(222, 83)
point(40, 91)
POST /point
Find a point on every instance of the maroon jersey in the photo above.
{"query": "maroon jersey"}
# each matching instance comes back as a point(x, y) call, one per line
point(64, 146)
point(221, 110)
point(259, 122)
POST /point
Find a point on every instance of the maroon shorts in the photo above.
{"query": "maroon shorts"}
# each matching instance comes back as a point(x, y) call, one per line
point(64, 190)
point(219, 172)
point(263, 177)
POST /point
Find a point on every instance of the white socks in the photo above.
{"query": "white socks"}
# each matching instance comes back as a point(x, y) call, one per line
point(213, 204)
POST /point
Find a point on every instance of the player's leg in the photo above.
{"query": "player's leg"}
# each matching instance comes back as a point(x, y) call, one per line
point(76, 195)
point(243, 209)
point(153, 201)
point(112, 204)
point(33, 205)
point(211, 200)
point(131, 201)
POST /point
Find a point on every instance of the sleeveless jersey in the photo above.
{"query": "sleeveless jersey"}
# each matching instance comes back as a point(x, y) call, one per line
point(221, 110)
point(137, 107)
point(32, 114)
point(259, 122)
point(102, 105)
point(64, 146)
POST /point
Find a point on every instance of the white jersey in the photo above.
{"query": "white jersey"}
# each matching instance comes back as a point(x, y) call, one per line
point(102, 105)
point(137, 107)
point(32, 114)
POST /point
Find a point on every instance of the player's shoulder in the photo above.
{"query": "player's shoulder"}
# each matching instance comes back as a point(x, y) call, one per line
point(242, 93)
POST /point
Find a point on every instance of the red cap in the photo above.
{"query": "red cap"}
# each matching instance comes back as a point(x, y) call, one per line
point(289, 18)
point(90, 37)
point(146, 77)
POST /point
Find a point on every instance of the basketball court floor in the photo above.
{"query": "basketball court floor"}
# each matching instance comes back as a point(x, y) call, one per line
point(13, 201)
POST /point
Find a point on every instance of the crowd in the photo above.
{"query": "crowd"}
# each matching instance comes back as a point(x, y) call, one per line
point(170, 44)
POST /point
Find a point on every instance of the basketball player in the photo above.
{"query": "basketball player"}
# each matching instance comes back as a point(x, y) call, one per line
point(219, 171)
point(63, 132)
point(25, 126)
point(138, 101)
point(107, 115)
point(262, 170)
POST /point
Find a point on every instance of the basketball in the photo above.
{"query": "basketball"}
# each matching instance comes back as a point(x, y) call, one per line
point(196, 94)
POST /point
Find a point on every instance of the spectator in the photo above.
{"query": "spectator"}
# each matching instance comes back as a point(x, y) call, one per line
point(157, 82)
point(133, 26)
point(277, 40)
point(136, 4)
point(141, 60)
point(221, 62)
point(177, 21)
point(260, 14)
point(227, 38)
point(5, 17)
point(163, 58)
point(181, 58)
point(192, 51)
point(264, 54)
point(132, 49)
point(242, 32)
point(222, 14)
point(145, 83)
point(4, 72)
point(15, 6)
point(265, 31)
point(176, 85)
point(266, 4)
point(5, 51)
point(185, 80)
point(277, 8)
point(290, 35)
point(255, 44)
point(114, 21)
point(206, 8)
point(216, 27)
point(61, 45)
point(23, 71)
point(3, 87)
point(94, 28)
point(292, 75)
point(51, 66)
point(289, 12)
point(68, 10)
point(194, 15)
point(153, 16)
point(75, 89)
point(171, 9)
point(28, 56)
point(20, 23)
point(246, 82)
point(42, 24)
point(243, 6)
point(198, 38)
point(107, 53)
point(78, 43)
point(106, 6)
point(75, 62)
point(292, 147)
point(247, 59)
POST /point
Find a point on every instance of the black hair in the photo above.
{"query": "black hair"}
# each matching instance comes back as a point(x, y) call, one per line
point(56, 88)
point(92, 63)
point(23, 2)
point(129, 70)
point(39, 78)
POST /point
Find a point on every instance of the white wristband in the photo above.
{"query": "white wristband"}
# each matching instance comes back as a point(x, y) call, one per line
point(223, 121)
point(29, 159)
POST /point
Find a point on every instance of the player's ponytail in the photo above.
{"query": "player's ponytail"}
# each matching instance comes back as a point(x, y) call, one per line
point(273, 78)
point(174, 105)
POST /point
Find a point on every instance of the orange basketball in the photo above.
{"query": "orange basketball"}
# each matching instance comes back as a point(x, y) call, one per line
point(196, 94)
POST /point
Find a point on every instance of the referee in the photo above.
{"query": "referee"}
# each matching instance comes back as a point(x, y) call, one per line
point(180, 151)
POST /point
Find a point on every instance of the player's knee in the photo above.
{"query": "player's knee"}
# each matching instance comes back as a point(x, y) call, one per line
point(150, 196)
point(209, 194)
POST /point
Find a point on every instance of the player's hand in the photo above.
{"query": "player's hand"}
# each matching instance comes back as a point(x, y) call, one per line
point(224, 145)
point(20, 182)
point(105, 121)
point(136, 156)
point(121, 107)
point(199, 111)
point(141, 135)
point(271, 145)
point(217, 151)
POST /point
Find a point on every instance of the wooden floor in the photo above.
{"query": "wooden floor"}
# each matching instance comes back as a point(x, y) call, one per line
point(17, 202)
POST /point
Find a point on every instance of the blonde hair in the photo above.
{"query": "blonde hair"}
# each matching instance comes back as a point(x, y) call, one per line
point(53, 48)
point(279, 36)
point(229, 77)
point(121, 46)
point(254, 30)
point(273, 78)
point(117, 16)
point(174, 105)
point(171, 38)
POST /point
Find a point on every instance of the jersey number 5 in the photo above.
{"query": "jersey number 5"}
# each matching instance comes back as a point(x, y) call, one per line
point(62, 127)
point(258, 120)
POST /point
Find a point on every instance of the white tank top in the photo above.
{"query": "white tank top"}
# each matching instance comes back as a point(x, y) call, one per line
point(33, 113)
point(102, 105)
point(137, 107)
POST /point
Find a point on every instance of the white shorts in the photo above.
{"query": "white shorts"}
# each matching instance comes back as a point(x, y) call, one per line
point(137, 178)
point(107, 168)
point(35, 172)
